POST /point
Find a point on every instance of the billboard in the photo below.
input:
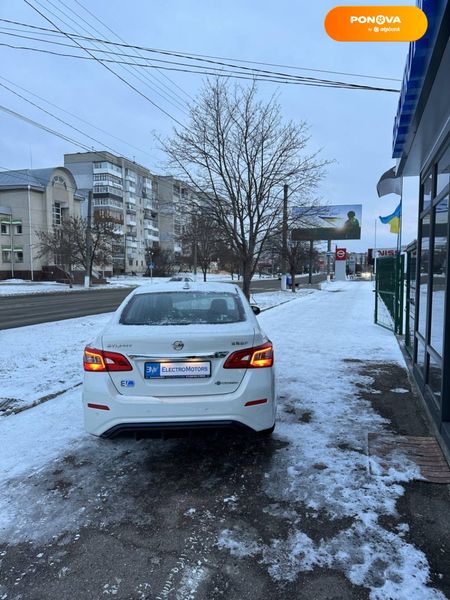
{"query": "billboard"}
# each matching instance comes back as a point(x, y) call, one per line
point(335, 222)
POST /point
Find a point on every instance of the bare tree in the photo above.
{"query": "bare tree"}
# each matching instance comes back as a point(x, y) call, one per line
point(165, 262)
point(203, 236)
point(60, 248)
point(66, 245)
point(298, 256)
point(103, 235)
point(238, 153)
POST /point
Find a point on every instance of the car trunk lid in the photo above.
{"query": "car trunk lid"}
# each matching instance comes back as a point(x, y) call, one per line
point(172, 361)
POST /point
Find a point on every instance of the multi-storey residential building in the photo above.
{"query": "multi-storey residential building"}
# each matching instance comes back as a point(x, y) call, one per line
point(123, 193)
point(175, 201)
point(32, 201)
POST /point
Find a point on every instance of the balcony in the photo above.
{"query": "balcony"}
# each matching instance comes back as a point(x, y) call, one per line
point(108, 168)
point(150, 224)
point(131, 209)
point(131, 221)
point(107, 203)
point(99, 188)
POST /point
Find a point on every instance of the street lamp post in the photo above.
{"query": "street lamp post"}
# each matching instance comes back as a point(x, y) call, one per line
point(30, 234)
point(151, 266)
point(284, 255)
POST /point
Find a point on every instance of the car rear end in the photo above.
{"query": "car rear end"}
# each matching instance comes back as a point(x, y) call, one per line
point(203, 363)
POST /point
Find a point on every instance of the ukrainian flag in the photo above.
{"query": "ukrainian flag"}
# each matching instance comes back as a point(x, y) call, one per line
point(393, 219)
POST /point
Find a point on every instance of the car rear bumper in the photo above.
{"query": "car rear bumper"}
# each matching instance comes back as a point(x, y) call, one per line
point(148, 429)
point(138, 413)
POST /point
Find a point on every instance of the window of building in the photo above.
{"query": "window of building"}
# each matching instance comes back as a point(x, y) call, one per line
point(57, 213)
point(130, 262)
point(427, 190)
point(439, 279)
point(443, 172)
point(18, 256)
point(18, 230)
point(6, 256)
point(5, 228)
point(424, 274)
point(435, 378)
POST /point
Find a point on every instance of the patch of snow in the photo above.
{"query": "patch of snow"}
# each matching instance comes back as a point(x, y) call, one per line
point(190, 582)
point(400, 391)
point(38, 361)
point(238, 543)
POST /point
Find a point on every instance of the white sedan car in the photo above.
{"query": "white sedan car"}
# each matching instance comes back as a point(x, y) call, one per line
point(180, 356)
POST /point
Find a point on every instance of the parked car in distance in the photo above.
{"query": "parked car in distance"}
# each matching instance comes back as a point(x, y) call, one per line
point(180, 356)
point(181, 278)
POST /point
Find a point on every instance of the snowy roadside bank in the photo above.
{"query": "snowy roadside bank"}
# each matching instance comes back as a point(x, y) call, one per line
point(17, 287)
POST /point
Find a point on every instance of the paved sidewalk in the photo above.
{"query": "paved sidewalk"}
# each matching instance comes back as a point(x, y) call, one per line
point(307, 515)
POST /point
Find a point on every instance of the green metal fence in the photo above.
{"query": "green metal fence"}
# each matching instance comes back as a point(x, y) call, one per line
point(389, 292)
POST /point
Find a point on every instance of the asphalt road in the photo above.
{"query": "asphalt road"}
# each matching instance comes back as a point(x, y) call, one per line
point(16, 311)
point(21, 310)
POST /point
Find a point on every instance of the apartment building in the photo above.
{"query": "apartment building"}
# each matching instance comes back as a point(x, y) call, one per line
point(175, 201)
point(31, 201)
point(123, 193)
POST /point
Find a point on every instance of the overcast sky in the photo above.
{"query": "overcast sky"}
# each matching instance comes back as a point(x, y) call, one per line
point(352, 127)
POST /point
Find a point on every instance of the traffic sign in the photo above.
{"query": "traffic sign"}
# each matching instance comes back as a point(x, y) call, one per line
point(151, 265)
point(341, 253)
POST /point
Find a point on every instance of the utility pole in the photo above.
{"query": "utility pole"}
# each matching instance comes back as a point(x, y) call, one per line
point(311, 248)
point(11, 237)
point(328, 260)
point(30, 233)
point(284, 255)
point(87, 277)
point(151, 266)
point(195, 258)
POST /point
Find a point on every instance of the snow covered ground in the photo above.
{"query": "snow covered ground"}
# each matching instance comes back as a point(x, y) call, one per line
point(12, 287)
point(318, 471)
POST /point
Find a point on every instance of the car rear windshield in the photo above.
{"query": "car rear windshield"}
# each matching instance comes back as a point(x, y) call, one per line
point(183, 308)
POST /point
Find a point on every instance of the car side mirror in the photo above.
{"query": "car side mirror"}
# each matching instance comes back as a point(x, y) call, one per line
point(255, 309)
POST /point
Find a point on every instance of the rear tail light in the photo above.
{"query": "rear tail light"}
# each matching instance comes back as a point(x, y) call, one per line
point(101, 360)
point(251, 358)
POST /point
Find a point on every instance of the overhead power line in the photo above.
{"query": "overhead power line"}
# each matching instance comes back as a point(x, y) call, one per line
point(216, 59)
point(44, 128)
point(71, 114)
point(196, 69)
point(57, 118)
point(174, 84)
point(106, 66)
point(150, 80)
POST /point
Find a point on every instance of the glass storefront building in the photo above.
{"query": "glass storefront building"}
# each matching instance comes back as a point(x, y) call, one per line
point(421, 146)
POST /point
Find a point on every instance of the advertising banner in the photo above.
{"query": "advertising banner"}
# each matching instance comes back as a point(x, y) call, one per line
point(335, 222)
